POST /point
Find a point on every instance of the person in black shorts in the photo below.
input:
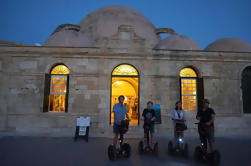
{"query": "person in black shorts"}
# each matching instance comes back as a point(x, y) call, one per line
point(206, 117)
point(149, 117)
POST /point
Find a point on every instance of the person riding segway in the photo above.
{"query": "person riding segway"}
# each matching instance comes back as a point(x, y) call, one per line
point(204, 152)
point(178, 145)
point(147, 145)
point(120, 127)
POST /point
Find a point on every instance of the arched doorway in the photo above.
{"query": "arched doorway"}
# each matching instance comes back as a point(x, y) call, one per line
point(188, 88)
point(246, 89)
point(56, 89)
point(125, 81)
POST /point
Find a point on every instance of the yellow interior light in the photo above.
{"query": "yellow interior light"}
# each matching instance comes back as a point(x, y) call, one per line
point(126, 85)
point(125, 70)
point(60, 69)
point(58, 90)
point(188, 72)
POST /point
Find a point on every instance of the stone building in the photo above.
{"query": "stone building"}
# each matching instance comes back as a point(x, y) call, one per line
point(81, 69)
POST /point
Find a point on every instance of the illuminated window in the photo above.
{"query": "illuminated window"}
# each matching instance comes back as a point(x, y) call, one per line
point(56, 89)
point(188, 89)
point(125, 70)
point(125, 80)
point(187, 72)
point(60, 69)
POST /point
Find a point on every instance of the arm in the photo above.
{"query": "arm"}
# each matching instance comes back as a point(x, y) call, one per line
point(198, 116)
point(127, 116)
point(154, 116)
point(143, 116)
point(173, 115)
point(211, 121)
point(115, 113)
point(184, 116)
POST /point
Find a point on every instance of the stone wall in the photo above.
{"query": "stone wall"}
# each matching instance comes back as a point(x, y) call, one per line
point(22, 71)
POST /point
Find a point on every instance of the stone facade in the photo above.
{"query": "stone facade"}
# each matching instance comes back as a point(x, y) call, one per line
point(23, 69)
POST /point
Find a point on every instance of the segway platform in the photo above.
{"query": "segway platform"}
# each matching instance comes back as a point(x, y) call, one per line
point(148, 149)
point(200, 152)
point(124, 150)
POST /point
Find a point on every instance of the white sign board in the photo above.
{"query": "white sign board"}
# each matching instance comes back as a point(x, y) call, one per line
point(82, 130)
point(82, 121)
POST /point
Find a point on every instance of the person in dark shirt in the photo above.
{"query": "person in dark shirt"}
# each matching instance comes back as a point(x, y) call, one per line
point(149, 117)
point(206, 117)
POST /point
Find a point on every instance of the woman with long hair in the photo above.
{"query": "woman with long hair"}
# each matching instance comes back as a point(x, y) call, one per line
point(178, 116)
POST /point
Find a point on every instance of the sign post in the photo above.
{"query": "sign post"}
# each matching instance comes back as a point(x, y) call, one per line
point(157, 111)
point(82, 128)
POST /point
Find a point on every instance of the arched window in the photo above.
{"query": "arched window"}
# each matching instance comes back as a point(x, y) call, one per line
point(246, 89)
point(125, 81)
point(56, 89)
point(188, 82)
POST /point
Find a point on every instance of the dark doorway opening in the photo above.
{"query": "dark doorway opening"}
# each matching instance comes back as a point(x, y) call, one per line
point(246, 89)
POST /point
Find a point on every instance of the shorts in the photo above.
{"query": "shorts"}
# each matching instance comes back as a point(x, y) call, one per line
point(207, 133)
point(211, 134)
point(148, 128)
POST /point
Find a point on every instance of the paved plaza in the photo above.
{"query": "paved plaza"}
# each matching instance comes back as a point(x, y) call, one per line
point(63, 151)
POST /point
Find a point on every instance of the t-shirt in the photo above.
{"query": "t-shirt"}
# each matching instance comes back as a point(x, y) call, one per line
point(181, 115)
point(148, 114)
point(178, 115)
point(120, 110)
point(206, 115)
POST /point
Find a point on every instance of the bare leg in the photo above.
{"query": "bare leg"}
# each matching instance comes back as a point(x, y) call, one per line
point(151, 140)
point(115, 139)
point(178, 136)
point(175, 138)
point(145, 139)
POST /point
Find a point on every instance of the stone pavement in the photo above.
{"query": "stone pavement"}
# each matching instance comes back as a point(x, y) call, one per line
point(63, 151)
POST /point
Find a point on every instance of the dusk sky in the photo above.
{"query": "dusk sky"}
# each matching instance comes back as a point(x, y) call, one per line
point(32, 21)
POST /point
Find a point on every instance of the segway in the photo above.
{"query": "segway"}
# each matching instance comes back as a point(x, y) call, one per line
point(148, 148)
point(124, 149)
point(200, 153)
point(178, 146)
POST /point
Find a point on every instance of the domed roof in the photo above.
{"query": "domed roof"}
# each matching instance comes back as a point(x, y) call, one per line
point(229, 44)
point(104, 23)
point(178, 42)
point(68, 38)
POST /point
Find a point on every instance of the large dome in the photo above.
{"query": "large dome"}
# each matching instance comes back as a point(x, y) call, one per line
point(68, 35)
point(178, 42)
point(229, 44)
point(104, 23)
point(68, 38)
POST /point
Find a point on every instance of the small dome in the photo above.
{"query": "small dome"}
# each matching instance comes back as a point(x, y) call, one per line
point(104, 23)
point(178, 42)
point(229, 44)
point(68, 38)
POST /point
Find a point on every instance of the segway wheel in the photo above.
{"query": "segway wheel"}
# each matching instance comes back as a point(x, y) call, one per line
point(198, 154)
point(185, 151)
point(170, 148)
point(112, 152)
point(140, 147)
point(216, 158)
point(126, 148)
point(156, 149)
